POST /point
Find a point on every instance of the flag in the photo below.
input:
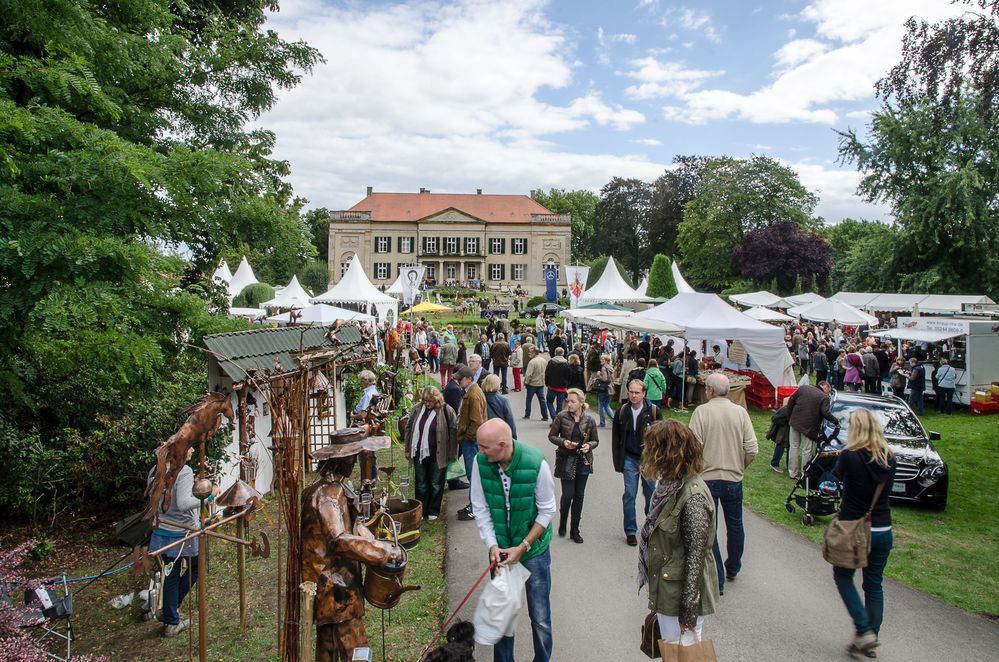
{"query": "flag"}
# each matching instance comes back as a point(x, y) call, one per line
point(411, 277)
point(575, 278)
point(551, 286)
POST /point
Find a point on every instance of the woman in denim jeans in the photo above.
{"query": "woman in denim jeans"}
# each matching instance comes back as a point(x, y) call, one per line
point(865, 464)
point(605, 380)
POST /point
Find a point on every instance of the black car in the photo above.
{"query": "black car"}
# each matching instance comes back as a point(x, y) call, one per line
point(921, 474)
point(550, 310)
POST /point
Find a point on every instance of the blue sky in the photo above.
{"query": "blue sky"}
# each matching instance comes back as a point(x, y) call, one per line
point(509, 96)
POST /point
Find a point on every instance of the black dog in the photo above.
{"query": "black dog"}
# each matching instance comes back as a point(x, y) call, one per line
point(460, 646)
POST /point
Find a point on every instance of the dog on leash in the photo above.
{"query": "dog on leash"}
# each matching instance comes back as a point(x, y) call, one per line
point(460, 646)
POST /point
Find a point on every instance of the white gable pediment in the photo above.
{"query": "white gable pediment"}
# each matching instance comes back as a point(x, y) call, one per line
point(451, 215)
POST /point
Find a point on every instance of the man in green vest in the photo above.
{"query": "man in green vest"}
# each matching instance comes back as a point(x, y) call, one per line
point(513, 498)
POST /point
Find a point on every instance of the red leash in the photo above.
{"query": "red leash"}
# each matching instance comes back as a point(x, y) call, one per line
point(456, 610)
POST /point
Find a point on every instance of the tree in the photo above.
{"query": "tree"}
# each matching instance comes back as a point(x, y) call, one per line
point(597, 267)
point(661, 281)
point(670, 192)
point(622, 223)
point(582, 207)
point(253, 295)
point(785, 252)
point(122, 137)
point(318, 222)
point(314, 276)
point(732, 198)
point(849, 234)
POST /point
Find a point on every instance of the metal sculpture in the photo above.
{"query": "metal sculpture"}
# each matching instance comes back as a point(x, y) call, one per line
point(203, 421)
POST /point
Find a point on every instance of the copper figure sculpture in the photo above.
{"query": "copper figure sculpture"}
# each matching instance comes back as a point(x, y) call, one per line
point(335, 543)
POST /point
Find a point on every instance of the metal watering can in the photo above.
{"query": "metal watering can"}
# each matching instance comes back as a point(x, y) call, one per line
point(383, 586)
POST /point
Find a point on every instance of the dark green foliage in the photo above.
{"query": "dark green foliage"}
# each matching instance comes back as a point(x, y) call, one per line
point(315, 276)
point(318, 223)
point(622, 224)
point(582, 206)
point(253, 295)
point(536, 301)
point(661, 281)
point(670, 193)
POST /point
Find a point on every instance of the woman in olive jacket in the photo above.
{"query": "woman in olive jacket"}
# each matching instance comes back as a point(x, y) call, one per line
point(574, 433)
point(431, 442)
point(674, 554)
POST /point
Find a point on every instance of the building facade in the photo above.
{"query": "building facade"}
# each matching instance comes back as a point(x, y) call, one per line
point(498, 240)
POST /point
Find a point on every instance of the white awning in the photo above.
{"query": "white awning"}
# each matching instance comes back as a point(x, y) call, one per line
point(917, 334)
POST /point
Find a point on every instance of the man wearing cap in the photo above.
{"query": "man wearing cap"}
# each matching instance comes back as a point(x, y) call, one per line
point(513, 496)
point(334, 545)
point(471, 415)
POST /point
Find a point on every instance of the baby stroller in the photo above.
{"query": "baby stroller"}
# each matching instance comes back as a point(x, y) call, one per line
point(818, 491)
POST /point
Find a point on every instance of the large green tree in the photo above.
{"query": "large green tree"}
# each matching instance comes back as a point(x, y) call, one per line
point(863, 254)
point(622, 224)
point(122, 142)
point(669, 195)
point(582, 207)
point(732, 197)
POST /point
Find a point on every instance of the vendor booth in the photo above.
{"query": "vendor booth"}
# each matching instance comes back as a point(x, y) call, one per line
point(357, 291)
point(971, 347)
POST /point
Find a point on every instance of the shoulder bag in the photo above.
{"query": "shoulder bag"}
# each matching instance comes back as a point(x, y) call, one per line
point(848, 543)
point(651, 636)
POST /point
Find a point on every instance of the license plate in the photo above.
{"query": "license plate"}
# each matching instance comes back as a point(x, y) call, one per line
point(898, 488)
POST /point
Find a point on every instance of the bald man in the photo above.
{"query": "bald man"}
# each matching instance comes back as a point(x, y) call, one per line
point(513, 498)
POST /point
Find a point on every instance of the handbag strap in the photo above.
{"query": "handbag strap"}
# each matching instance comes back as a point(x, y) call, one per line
point(874, 501)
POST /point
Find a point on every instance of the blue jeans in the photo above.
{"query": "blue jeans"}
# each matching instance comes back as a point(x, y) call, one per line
point(501, 373)
point(555, 400)
point(631, 478)
point(540, 392)
point(182, 577)
point(604, 400)
point(780, 450)
point(729, 494)
point(867, 614)
point(916, 401)
point(539, 587)
point(469, 449)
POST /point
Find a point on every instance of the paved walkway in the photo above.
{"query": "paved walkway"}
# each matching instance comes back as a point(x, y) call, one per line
point(783, 606)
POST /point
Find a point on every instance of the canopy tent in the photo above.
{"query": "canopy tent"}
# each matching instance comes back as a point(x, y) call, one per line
point(707, 317)
point(321, 314)
point(804, 299)
point(917, 334)
point(292, 296)
point(643, 287)
point(895, 302)
point(241, 279)
point(767, 315)
point(355, 288)
point(681, 284)
point(951, 303)
point(611, 287)
point(395, 289)
point(603, 305)
point(222, 274)
point(833, 310)
point(247, 313)
point(622, 320)
point(856, 299)
point(427, 307)
point(760, 298)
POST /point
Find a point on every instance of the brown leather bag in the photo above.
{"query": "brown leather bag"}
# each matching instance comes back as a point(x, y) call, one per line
point(651, 636)
point(847, 544)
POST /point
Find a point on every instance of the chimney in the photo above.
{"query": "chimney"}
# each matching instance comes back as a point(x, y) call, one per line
point(478, 191)
point(370, 190)
point(423, 190)
point(532, 193)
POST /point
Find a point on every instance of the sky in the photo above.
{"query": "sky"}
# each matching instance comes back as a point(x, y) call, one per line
point(513, 95)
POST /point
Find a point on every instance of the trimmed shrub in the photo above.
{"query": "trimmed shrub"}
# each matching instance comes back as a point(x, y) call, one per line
point(253, 295)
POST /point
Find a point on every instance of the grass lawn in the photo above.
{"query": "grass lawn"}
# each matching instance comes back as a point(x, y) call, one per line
point(120, 634)
point(949, 554)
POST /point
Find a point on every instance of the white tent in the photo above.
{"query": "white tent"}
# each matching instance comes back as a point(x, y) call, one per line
point(621, 320)
point(247, 313)
point(950, 303)
point(611, 287)
point(292, 296)
point(321, 314)
point(643, 287)
point(222, 274)
point(707, 317)
point(355, 288)
point(831, 309)
point(682, 286)
point(895, 302)
point(760, 298)
point(241, 279)
point(855, 299)
point(767, 315)
point(804, 299)
point(395, 289)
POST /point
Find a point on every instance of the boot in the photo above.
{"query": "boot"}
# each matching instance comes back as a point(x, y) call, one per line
point(563, 516)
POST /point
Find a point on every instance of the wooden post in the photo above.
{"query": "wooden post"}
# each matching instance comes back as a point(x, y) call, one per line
point(241, 526)
point(308, 590)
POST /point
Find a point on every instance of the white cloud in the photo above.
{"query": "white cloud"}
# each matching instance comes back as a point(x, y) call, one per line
point(759, 147)
point(661, 79)
point(652, 142)
point(812, 76)
point(837, 191)
point(698, 21)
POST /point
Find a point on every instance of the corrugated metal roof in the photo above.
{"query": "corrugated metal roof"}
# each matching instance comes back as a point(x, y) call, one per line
point(258, 349)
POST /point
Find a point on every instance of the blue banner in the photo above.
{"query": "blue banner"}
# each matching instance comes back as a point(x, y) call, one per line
point(551, 286)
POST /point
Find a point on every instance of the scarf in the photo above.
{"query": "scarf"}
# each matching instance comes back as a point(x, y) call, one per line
point(423, 431)
point(665, 490)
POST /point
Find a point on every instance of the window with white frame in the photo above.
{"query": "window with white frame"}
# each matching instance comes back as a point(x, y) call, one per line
point(382, 270)
point(472, 245)
point(430, 245)
point(450, 245)
point(451, 270)
point(496, 271)
point(519, 246)
point(519, 271)
point(471, 272)
point(405, 244)
point(431, 272)
point(496, 246)
point(383, 244)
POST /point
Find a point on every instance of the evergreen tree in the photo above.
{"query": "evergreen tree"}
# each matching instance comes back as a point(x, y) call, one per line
point(661, 281)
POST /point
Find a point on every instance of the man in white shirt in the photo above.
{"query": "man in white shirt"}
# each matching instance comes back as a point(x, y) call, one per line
point(513, 498)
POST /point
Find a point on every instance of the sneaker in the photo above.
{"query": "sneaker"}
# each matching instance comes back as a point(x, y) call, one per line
point(433, 518)
point(631, 540)
point(466, 514)
point(776, 469)
point(730, 576)
point(865, 642)
point(174, 630)
point(461, 485)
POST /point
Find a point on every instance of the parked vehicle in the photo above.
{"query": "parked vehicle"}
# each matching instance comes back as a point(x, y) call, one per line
point(550, 309)
point(921, 475)
point(496, 311)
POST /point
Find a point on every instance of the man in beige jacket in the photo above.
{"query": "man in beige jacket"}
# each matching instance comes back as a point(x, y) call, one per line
point(725, 430)
point(471, 415)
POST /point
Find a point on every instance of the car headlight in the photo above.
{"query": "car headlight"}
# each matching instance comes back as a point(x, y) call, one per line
point(932, 471)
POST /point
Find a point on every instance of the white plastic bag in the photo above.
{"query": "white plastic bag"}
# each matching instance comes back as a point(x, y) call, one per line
point(499, 605)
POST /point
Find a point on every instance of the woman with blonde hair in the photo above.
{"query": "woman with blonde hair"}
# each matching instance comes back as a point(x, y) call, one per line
point(866, 468)
point(674, 554)
point(431, 442)
point(497, 406)
point(574, 433)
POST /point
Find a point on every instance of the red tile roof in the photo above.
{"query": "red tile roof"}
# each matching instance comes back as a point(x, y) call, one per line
point(417, 206)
